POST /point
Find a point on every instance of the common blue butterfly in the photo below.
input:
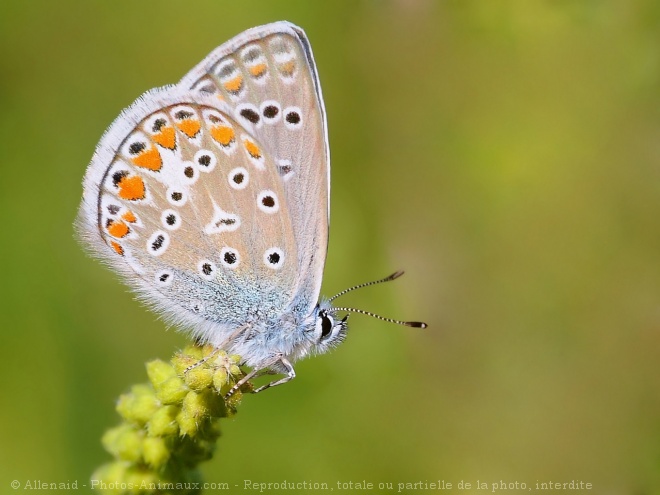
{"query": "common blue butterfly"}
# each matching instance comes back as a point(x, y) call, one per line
point(211, 198)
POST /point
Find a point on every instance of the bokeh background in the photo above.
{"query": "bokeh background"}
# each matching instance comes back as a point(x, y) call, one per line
point(506, 154)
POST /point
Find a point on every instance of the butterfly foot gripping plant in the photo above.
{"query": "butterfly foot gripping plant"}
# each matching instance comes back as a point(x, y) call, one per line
point(170, 425)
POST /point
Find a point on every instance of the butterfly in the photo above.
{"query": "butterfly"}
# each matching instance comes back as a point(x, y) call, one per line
point(211, 199)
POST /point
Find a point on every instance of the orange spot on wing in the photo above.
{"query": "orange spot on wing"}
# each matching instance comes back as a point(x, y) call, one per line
point(287, 68)
point(129, 217)
point(234, 85)
point(131, 188)
point(190, 127)
point(253, 149)
point(149, 159)
point(118, 249)
point(258, 70)
point(220, 97)
point(118, 229)
point(223, 134)
point(166, 138)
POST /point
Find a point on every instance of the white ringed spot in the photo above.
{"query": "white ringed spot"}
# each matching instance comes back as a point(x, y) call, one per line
point(248, 113)
point(170, 219)
point(293, 118)
point(136, 144)
point(284, 168)
point(230, 257)
point(271, 111)
point(158, 243)
point(177, 196)
point(267, 202)
point(238, 178)
point(274, 258)
point(205, 160)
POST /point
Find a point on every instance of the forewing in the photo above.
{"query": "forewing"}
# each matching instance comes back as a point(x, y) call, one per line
point(188, 204)
point(267, 76)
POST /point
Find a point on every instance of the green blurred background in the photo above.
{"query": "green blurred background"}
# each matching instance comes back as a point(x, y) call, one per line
point(506, 154)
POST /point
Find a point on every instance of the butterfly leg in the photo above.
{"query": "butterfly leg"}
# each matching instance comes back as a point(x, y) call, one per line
point(288, 369)
point(202, 361)
point(266, 369)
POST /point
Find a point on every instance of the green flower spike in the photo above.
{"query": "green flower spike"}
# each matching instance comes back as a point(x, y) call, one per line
point(171, 424)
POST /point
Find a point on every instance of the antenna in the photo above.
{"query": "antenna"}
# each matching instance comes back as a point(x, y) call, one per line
point(367, 284)
point(416, 324)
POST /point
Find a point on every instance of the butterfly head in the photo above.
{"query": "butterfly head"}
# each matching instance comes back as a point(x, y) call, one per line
point(329, 330)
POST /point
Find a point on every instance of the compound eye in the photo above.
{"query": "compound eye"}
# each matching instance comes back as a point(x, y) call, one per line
point(326, 326)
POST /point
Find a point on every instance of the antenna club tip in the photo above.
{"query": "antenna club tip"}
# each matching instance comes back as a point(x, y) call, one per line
point(416, 324)
point(396, 274)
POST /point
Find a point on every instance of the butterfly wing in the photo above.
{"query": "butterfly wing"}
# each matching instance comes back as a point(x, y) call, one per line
point(189, 206)
point(267, 76)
